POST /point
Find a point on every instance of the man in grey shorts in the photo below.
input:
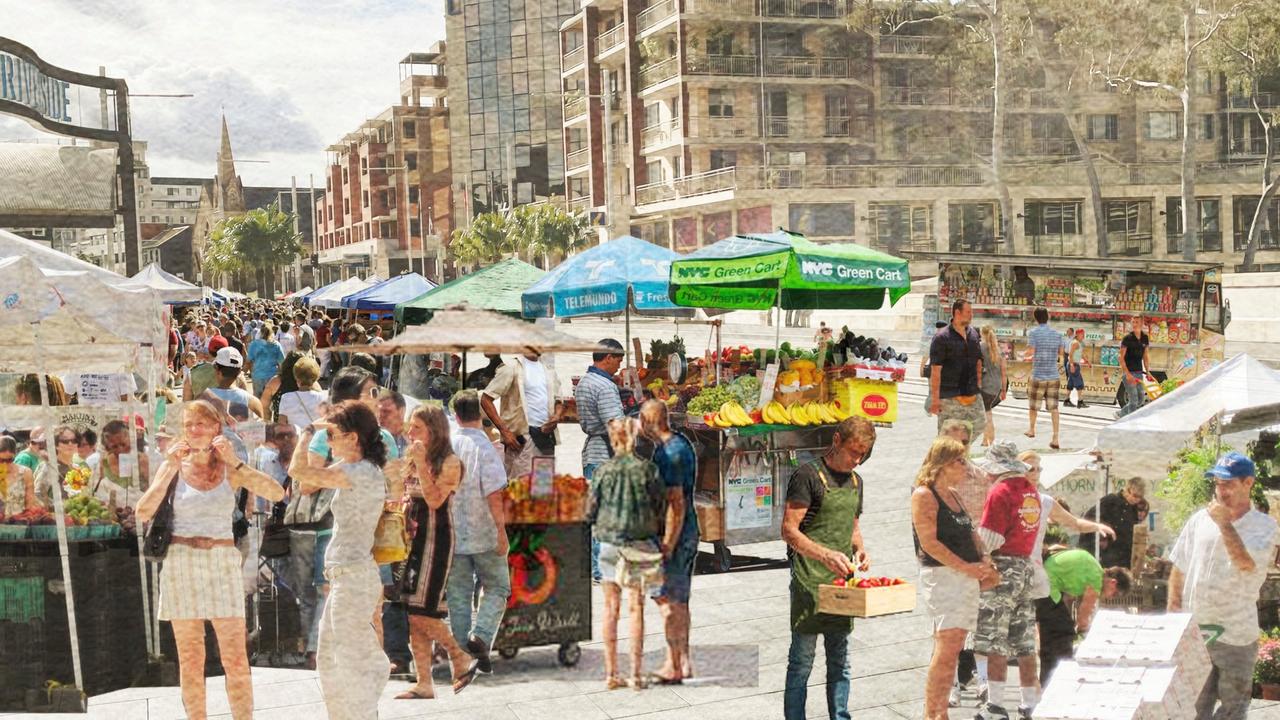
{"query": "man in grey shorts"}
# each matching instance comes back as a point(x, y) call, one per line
point(955, 370)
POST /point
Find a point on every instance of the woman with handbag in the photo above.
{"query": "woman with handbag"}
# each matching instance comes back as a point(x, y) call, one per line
point(628, 501)
point(952, 564)
point(353, 668)
point(189, 506)
point(432, 474)
point(995, 385)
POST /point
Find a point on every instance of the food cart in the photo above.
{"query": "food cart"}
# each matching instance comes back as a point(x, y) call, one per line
point(550, 551)
point(750, 445)
point(1180, 302)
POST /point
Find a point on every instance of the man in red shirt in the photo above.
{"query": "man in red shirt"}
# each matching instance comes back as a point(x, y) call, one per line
point(1006, 613)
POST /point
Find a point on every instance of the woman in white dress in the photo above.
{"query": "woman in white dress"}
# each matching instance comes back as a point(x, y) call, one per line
point(200, 578)
point(353, 668)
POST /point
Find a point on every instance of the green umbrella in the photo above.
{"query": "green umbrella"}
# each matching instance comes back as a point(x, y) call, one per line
point(747, 272)
point(497, 287)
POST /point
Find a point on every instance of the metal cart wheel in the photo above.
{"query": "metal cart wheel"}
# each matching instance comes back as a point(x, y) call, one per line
point(507, 653)
point(569, 654)
point(722, 557)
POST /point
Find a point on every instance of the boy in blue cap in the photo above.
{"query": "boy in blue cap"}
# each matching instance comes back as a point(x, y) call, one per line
point(1220, 561)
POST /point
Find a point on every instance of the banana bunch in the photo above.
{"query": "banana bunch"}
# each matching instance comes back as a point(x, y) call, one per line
point(730, 414)
point(811, 413)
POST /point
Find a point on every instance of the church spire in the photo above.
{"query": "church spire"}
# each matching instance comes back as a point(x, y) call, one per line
point(230, 188)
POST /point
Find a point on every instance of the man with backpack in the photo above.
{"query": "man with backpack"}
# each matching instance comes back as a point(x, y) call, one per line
point(824, 542)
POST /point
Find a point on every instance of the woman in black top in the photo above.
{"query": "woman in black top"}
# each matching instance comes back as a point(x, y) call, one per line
point(952, 564)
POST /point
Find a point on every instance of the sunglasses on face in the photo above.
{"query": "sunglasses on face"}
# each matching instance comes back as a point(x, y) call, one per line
point(6, 459)
point(67, 441)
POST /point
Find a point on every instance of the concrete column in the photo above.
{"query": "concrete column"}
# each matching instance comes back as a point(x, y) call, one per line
point(941, 225)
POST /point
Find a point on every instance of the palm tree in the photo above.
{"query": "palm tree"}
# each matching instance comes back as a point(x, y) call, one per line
point(260, 241)
point(555, 234)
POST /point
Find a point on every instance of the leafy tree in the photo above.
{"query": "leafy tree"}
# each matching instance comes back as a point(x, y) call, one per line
point(553, 233)
point(260, 241)
point(482, 242)
point(526, 232)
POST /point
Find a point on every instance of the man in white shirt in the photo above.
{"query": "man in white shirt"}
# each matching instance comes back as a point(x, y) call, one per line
point(527, 389)
point(91, 388)
point(1220, 561)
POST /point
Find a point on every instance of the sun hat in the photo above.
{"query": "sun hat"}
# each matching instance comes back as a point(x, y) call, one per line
point(1002, 459)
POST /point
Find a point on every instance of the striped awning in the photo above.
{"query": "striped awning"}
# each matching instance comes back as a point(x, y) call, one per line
point(57, 184)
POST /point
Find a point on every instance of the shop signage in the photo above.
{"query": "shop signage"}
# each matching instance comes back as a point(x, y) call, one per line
point(838, 271)
point(21, 81)
point(749, 500)
point(719, 270)
point(875, 405)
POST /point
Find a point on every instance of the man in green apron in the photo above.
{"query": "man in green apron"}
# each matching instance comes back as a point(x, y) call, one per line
point(820, 527)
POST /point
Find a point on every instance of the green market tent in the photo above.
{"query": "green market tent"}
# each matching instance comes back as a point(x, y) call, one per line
point(746, 272)
point(497, 287)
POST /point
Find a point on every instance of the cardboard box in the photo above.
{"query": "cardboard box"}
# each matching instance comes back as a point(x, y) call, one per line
point(866, 602)
point(787, 399)
point(710, 520)
point(1084, 692)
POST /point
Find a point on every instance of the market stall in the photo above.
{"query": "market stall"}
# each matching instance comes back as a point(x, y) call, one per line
point(549, 552)
point(496, 287)
point(172, 289)
point(380, 300)
point(772, 408)
point(330, 297)
point(58, 567)
point(1181, 304)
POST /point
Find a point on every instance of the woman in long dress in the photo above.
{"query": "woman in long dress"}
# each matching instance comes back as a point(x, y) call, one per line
point(353, 668)
point(432, 474)
point(200, 578)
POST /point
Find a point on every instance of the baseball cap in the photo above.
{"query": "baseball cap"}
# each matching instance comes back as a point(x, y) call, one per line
point(229, 357)
point(216, 344)
point(1232, 466)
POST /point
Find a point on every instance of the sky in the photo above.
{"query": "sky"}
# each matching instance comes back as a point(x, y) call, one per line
point(292, 76)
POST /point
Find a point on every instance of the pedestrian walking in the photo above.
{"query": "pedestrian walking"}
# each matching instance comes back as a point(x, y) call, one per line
point(265, 356)
point(824, 542)
point(1006, 612)
point(527, 389)
point(353, 668)
point(677, 466)
point(626, 514)
point(955, 367)
point(432, 476)
point(283, 383)
point(1134, 361)
point(240, 404)
point(995, 386)
point(1076, 581)
point(200, 579)
point(598, 401)
point(1044, 349)
point(1220, 561)
point(1075, 365)
point(480, 536)
point(952, 566)
point(302, 406)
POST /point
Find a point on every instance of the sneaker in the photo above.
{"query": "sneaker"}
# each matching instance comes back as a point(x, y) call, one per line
point(982, 694)
point(1068, 403)
point(954, 699)
point(1082, 404)
point(991, 712)
point(1024, 712)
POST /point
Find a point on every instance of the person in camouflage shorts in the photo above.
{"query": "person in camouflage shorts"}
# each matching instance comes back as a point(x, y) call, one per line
point(1006, 613)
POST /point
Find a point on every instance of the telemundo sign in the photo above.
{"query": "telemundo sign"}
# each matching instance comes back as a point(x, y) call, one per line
point(23, 82)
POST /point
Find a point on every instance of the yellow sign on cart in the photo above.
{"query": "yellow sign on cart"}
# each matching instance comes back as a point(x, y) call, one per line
point(875, 400)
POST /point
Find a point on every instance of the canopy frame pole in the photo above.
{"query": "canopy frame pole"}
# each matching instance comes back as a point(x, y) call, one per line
point(137, 483)
point(777, 321)
point(60, 516)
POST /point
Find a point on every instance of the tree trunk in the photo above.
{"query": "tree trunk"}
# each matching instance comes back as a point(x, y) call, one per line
point(997, 126)
point(1091, 173)
point(1190, 217)
point(1268, 192)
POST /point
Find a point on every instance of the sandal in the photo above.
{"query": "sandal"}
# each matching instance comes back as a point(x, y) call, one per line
point(412, 694)
point(613, 682)
point(638, 683)
point(1054, 446)
point(467, 678)
point(656, 679)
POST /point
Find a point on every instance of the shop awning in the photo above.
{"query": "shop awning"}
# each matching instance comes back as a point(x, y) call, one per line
point(497, 287)
point(57, 185)
point(388, 293)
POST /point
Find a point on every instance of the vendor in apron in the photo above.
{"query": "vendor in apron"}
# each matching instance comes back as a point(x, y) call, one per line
point(820, 527)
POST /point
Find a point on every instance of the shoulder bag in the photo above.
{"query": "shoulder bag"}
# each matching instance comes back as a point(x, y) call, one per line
point(159, 533)
point(391, 537)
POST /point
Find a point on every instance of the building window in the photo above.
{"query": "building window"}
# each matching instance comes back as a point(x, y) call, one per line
point(1104, 127)
point(411, 161)
point(973, 227)
point(171, 191)
point(719, 103)
point(1163, 126)
point(837, 116)
point(1210, 237)
point(190, 192)
point(346, 206)
point(413, 194)
point(652, 114)
point(410, 129)
point(901, 226)
point(1053, 227)
point(364, 166)
point(415, 228)
point(344, 176)
point(1244, 207)
point(1128, 226)
point(654, 170)
point(1206, 126)
point(364, 196)
point(822, 220)
point(721, 159)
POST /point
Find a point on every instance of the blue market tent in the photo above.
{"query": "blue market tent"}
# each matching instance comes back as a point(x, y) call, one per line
point(388, 293)
point(306, 299)
point(612, 278)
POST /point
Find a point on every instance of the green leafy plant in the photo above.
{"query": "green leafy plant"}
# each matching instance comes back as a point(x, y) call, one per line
point(1266, 671)
point(1186, 489)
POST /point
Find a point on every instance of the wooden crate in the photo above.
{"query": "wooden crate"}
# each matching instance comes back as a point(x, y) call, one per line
point(866, 602)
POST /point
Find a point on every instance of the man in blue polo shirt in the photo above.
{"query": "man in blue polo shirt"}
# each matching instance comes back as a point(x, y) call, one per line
point(1044, 349)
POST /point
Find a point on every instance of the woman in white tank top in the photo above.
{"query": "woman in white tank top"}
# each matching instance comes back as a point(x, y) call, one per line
point(200, 575)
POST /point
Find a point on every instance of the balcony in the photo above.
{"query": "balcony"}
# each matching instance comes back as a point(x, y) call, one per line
point(1245, 102)
point(577, 158)
point(655, 73)
point(1051, 146)
point(741, 65)
point(1208, 241)
point(574, 106)
point(580, 205)
point(688, 186)
point(750, 127)
point(1128, 244)
point(1057, 245)
point(914, 45)
point(610, 39)
point(786, 66)
point(819, 9)
point(655, 14)
point(916, 96)
point(573, 58)
point(660, 135)
point(1248, 147)
point(1266, 241)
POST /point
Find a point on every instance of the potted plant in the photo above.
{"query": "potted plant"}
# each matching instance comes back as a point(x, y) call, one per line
point(1266, 670)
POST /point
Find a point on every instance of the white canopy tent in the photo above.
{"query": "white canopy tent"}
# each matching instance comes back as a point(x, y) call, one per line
point(46, 257)
point(171, 288)
point(332, 298)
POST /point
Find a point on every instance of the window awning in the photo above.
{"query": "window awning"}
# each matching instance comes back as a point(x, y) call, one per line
point(57, 186)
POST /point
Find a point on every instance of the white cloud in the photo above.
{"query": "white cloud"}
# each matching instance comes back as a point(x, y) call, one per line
point(293, 76)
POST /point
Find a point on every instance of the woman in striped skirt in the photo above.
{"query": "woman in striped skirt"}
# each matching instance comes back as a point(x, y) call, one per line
point(200, 576)
point(432, 475)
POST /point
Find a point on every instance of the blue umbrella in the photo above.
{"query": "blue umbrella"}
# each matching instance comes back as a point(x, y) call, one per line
point(388, 293)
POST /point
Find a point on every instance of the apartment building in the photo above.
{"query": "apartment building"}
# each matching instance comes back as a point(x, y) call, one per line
point(170, 201)
point(504, 68)
point(690, 120)
point(388, 201)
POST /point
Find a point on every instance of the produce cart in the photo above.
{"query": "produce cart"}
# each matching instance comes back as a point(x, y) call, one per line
point(772, 410)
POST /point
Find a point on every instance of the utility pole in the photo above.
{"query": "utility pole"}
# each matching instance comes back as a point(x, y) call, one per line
point(297, 261)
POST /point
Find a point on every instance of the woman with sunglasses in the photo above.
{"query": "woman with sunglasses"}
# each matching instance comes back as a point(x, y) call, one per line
point(17, 484)
point(952, 565)
point(66, 445)
point(201, 576)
